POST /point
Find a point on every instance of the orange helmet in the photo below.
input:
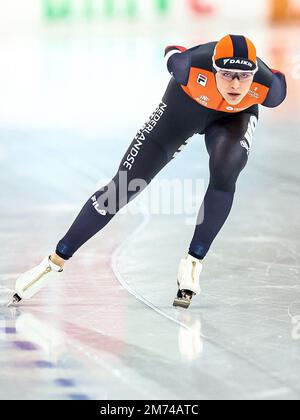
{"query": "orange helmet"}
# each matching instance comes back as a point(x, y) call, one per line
point(235, 52)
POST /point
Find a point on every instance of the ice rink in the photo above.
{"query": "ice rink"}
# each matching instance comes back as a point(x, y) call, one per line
point(71, 102)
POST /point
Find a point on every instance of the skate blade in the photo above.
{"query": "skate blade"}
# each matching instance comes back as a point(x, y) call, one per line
point(182, 303)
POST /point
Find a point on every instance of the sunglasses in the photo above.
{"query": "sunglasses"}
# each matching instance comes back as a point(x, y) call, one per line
point(242, 76)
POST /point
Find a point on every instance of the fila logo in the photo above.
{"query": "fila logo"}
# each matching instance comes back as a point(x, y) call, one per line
point(232, 61)
point(250, 133)
point(202, 80)
point(251, 129)
point(97, 206)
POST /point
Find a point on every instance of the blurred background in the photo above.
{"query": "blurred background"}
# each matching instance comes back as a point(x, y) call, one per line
point(78, 79)
point(95, 68)
point(79, 63)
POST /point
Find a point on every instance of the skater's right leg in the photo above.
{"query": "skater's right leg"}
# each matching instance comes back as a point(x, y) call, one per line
point(96, 214)
point(105, 203)
point(174, 121)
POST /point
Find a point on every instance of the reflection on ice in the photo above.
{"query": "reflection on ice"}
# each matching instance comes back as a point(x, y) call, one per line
point(189, 338)
point(5, 295)
point(294, 314)
point(47, 338)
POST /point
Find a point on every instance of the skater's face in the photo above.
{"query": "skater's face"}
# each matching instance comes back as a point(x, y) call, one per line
point(233, 86)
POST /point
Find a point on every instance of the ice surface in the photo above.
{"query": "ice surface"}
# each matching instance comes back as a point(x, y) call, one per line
point(108, 330)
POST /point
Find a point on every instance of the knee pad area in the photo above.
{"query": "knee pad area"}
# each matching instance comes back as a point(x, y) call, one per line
point(224, 173)
point(223, 180)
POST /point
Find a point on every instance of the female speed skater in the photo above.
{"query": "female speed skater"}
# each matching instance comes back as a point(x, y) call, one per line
point(215, 90)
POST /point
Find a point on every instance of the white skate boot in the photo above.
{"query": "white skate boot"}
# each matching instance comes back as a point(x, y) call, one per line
point(189, 272)
point(32, 281)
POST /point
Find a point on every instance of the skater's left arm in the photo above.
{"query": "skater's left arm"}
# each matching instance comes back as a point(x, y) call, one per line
point(278, 90)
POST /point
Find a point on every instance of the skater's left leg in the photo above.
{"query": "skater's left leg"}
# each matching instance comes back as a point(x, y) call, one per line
point(228, 142)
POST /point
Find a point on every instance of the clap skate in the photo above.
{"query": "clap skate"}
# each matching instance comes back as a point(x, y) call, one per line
point(32, 281)
point(189, 272)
